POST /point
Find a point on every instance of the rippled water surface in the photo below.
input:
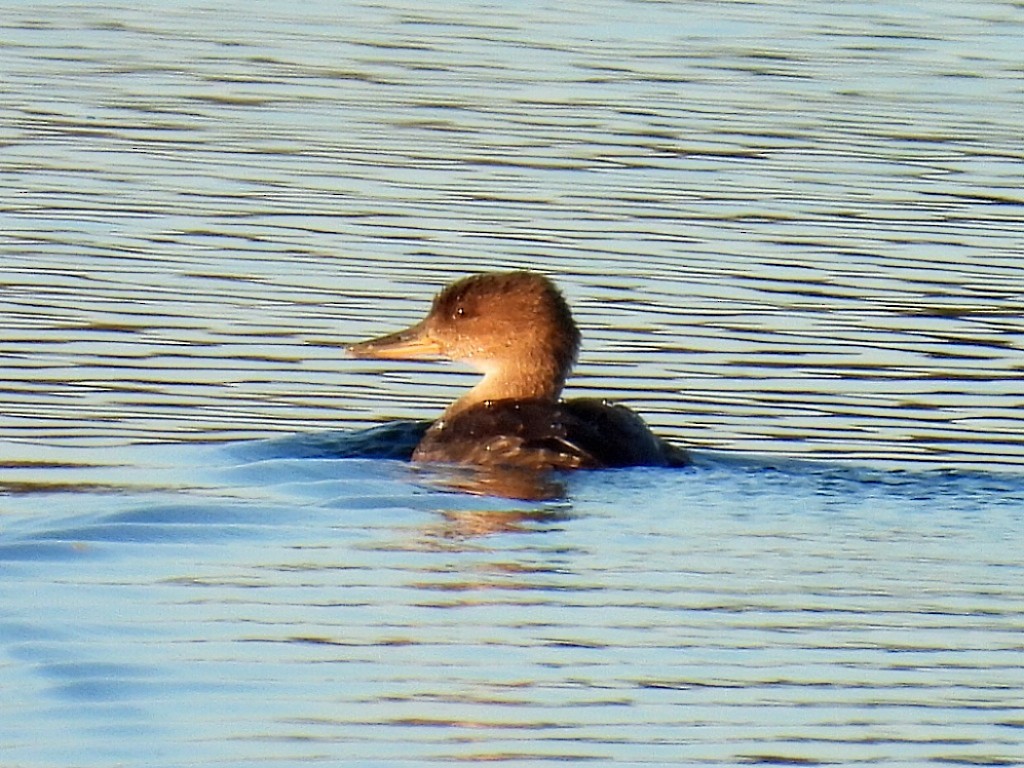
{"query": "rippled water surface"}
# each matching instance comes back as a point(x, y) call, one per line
point(792, 234)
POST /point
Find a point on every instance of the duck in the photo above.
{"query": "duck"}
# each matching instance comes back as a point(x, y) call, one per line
point(517, 330)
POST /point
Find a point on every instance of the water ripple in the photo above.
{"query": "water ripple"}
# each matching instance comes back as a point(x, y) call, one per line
point(789, 232)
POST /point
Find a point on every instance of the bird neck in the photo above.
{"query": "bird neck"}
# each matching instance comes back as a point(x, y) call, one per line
point(513, 382)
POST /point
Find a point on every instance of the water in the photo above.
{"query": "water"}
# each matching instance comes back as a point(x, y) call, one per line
point(288, 611)
point(791, 233)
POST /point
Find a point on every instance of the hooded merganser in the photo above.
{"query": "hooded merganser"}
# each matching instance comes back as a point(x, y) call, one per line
point(516, 329)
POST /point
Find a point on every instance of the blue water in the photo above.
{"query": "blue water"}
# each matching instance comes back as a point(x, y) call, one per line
point(220, 611)
point(791, 234)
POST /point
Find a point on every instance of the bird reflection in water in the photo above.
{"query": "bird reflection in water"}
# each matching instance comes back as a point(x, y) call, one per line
point(458, 525)
point(504, 482)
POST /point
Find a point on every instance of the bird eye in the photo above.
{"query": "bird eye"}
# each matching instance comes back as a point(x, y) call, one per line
point(460, 312)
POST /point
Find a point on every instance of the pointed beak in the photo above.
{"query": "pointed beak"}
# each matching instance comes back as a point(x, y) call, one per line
point(411, 343)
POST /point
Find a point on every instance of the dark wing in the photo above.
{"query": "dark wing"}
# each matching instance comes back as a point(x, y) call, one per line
point(536, 434)
point(618, 437)
point(531, 434)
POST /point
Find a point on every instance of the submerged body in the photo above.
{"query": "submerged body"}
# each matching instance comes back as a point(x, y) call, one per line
point(516, 329)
